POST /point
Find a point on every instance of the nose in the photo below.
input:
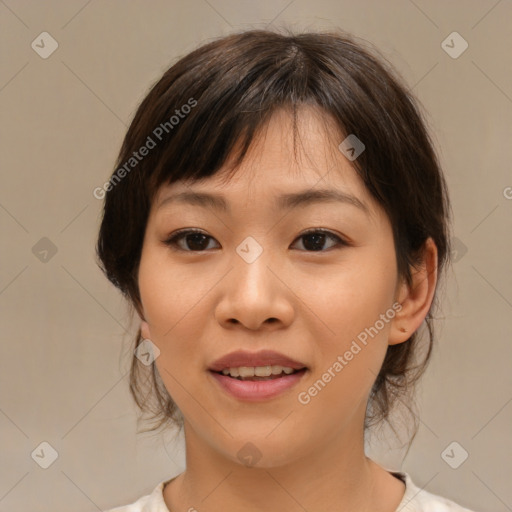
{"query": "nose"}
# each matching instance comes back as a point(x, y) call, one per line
point(254, 296)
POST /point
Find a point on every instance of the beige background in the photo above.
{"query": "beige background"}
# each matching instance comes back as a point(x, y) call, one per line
point(64, 343)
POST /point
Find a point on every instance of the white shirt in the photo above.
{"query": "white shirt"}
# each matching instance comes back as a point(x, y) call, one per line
point(414, 500)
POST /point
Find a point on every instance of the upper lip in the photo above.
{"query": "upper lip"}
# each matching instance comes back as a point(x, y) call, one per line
point(252, 359)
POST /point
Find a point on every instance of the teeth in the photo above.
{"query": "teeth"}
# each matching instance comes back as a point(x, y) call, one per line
point(258, 371)
point(245, 371)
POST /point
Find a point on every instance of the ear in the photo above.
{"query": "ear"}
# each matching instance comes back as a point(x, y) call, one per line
point(144, 330)
point(417, 297)
point(144, 326)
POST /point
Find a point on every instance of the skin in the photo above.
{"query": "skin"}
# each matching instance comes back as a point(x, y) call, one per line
point(199, 305)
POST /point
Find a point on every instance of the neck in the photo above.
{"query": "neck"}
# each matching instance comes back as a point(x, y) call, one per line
point(335, 476)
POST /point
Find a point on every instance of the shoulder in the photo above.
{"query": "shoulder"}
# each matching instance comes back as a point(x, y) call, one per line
point(418, 500)
point(153, 502)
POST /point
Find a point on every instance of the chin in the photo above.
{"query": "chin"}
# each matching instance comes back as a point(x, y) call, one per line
point(260, 452)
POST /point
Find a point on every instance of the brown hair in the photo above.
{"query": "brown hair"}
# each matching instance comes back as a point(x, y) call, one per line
point(226, 90)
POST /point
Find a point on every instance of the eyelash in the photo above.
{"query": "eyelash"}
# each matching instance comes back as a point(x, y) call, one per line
point(171, 242)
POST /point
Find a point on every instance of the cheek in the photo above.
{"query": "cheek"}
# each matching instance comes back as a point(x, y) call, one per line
point(172, 309)
point(353, 313)
point(351, 352)
point(174, 316)
point(351, 298)
point(170, 294)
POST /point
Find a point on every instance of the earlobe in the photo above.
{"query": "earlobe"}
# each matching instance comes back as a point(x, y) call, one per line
point(144, 326)
point(415, 298)
point(144, 330)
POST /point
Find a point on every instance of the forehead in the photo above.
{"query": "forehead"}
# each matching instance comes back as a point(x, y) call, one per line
point(304, 166)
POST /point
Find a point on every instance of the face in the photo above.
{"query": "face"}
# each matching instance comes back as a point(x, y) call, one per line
point(314, 280)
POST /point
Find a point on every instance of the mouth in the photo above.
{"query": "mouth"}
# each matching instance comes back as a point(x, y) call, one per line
point(256, 376)
point(256, 388)
point(259, 373)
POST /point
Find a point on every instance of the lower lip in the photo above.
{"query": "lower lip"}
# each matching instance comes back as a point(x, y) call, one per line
point(257, 390)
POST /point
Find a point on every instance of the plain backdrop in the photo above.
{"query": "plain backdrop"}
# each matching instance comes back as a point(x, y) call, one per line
point(65, 331)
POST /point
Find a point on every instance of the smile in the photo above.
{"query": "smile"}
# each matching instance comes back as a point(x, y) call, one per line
point(255, 388)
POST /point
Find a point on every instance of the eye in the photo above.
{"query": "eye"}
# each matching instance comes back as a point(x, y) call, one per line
point(196, 240)
point(193, 237)
point(316, 238)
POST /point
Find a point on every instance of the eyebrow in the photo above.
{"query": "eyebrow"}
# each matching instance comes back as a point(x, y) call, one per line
point(285, 201)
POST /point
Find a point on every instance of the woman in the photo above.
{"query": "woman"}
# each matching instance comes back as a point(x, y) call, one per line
point(279, 222)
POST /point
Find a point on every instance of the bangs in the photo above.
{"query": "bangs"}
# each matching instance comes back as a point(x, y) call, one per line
point(235, 96)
